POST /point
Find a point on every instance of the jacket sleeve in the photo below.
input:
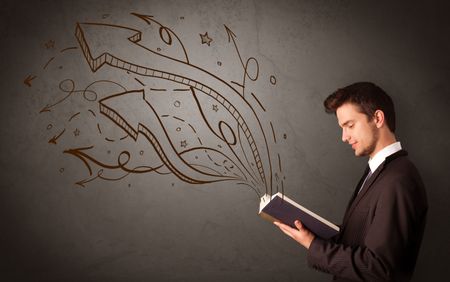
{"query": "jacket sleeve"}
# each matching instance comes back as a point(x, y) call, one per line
point(391, 240)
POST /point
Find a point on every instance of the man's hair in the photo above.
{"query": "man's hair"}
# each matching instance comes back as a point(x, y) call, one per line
point(367, 96)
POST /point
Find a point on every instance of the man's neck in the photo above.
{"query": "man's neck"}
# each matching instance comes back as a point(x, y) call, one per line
point(381, 156)
point(383, 142)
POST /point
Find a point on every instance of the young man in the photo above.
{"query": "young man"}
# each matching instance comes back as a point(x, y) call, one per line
point(382, 229)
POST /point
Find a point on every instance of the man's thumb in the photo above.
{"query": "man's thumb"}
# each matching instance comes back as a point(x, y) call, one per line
point(298, 224)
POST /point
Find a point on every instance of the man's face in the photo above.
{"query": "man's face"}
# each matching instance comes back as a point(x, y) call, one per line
point(357, 130)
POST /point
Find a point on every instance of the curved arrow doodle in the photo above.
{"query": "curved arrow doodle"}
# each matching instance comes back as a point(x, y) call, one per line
point(96, 39)
point(150, 125)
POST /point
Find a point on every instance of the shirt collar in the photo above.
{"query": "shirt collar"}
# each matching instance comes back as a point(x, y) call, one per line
point(381, 156)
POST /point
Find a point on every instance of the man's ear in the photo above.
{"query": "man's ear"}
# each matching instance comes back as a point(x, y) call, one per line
point(378, 118)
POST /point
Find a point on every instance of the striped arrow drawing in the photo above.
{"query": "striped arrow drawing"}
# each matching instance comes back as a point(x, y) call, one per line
point(119, 47)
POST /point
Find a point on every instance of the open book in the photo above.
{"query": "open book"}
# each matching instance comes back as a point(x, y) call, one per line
point(281, 208)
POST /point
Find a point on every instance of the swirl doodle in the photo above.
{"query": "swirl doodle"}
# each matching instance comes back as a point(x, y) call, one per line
point(199, 127)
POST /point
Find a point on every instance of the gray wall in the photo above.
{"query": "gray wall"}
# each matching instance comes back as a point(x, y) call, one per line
point(157, 227)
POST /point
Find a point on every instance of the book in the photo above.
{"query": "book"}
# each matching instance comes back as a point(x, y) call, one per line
point(281, 208)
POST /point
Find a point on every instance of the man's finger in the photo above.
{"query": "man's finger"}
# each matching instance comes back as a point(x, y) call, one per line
point(298, 224)
point(285, 228)
point(281, 225)
point(287, 231)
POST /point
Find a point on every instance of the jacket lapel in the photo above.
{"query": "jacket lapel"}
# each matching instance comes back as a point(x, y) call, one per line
point(367, 186)
point(355, 193)
point(358, 196)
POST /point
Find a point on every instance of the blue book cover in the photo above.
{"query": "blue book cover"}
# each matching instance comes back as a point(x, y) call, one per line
point(281, 208)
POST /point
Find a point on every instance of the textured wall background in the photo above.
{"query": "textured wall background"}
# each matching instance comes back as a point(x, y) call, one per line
point(153, 227)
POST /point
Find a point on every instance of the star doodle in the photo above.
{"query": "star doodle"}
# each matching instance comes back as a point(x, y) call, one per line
point(158, 133)
point(206, 39)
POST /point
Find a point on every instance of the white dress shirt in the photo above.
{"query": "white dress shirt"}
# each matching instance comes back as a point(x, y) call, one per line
point(381, 156)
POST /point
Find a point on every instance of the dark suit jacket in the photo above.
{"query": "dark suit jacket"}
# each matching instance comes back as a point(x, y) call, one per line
point(382, 228)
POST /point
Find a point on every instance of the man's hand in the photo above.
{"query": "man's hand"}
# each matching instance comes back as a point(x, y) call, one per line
point(301, 234)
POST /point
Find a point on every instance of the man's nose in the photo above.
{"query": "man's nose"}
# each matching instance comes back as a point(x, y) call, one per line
point(344, 136)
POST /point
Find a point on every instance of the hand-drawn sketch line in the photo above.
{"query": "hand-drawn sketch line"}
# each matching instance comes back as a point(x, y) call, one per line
point(174, 71)
point(55, 138)
point(27, 81)
point(165, 149)
point(163, 30)
point(232, 37)
point(229, 143)
point(243, 152)
point(121, 164)
point(68, 86)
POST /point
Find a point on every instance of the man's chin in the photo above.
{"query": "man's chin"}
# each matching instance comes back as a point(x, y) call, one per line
point(360, 153)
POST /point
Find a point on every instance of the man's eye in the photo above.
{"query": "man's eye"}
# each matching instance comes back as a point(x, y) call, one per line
point(350, 126)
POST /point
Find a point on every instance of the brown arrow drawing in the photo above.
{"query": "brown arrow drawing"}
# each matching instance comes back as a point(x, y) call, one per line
point(56, 137)
point(28, 80)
